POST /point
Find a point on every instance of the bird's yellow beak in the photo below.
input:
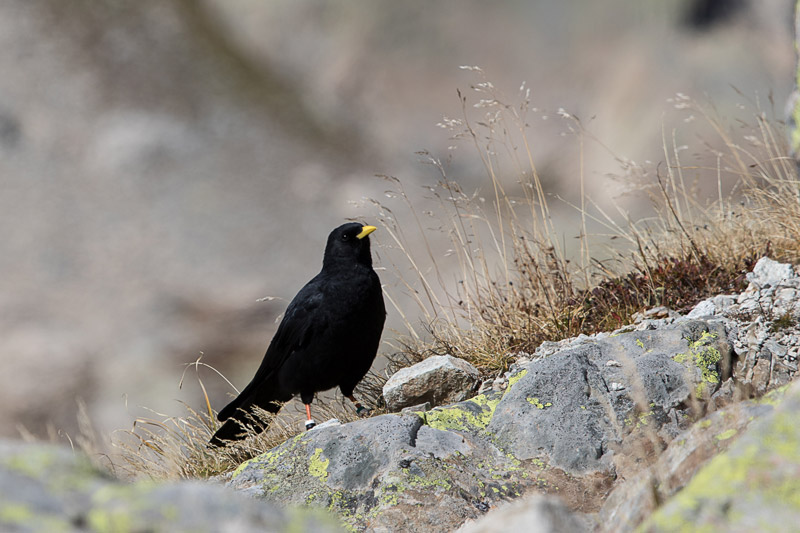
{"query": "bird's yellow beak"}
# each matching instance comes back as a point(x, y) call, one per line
point(365, 230)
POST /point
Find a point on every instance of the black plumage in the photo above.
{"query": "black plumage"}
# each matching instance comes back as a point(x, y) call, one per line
point(328, 337)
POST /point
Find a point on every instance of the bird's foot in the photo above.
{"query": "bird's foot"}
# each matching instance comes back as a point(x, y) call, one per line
point(363, 411)
point(310, 424)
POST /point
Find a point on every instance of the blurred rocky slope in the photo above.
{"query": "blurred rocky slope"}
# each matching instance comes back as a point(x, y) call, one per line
point(165, 163)
point(49, 488)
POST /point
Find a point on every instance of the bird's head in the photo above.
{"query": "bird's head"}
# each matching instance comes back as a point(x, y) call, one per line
point(347, 244)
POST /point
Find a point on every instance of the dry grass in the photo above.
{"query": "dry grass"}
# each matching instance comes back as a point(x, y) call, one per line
point(162, 446)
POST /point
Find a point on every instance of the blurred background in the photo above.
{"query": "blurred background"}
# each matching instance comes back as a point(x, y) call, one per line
point(166, 163)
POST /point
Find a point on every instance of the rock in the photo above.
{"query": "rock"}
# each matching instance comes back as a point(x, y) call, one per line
point(753, 486)
point(639, 494)
point(48, 488)
point(422, 407)
point(714, 306)
point(469, 417)
point(537, 514)
point(438, 379)
point(388, 471)
point(327, 423)
point(572, 408)
point(728, 393)
point(773, 290)
point(406, 472)
point(703, 309)
point(770, 273)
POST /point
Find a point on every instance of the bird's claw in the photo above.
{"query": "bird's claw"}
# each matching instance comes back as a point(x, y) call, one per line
point(363, 411)
point(310, 424)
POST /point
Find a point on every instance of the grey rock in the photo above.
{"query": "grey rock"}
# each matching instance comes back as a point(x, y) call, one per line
point(441, 444)
point(49, 488)
point(723, 302)
point(422, 407)
point(548, 348)
point(536, 514)
point(354, 454)
point(638, 494)
point(439, 379)
point(407, 473)
point(572, 408)
point(756, 477)
point(773, 290)
point(557, 424)
point(558, 387)
point(703, 309)
point(770, 273)
point(776, 349)
point(714, 306)
point(389, 471)
point(485, 386)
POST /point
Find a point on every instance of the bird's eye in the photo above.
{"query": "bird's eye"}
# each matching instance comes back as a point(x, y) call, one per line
point(345, 236)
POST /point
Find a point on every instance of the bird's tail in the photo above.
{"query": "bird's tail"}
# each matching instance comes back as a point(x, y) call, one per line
point(241, 424)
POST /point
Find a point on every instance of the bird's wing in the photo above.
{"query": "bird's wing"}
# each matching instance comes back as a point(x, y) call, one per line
point(300, 322)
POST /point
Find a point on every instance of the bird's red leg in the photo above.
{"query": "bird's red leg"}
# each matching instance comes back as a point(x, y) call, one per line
point(360, 409)
point(309, 421)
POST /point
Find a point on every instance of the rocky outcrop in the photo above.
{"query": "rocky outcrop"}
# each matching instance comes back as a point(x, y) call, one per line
point(763, 323)
point(48, 488)
point(574, 408)
point(752, 486)
point(607, 423)
point(555, 429)
point(437, 380)
point(635, 497)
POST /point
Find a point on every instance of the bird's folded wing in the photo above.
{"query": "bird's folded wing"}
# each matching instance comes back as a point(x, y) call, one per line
point(295, 331)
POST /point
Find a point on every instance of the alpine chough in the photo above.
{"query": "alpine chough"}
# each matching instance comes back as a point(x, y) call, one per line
point(328, 337)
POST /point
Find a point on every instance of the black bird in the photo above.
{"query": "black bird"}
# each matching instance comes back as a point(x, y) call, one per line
point(328, 337)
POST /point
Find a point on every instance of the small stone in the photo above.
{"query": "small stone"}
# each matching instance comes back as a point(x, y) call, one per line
point(521, 358)
point(658, 312)
point(482, 506)
point(761, 376)
point(703, 309)
point(648, 324)
point(439, 379)
point(775, 348)
point(787, 295)
point(612, 362)
point(417, 408)
point(486, 386)
point(769, 273)
point(724, 302)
